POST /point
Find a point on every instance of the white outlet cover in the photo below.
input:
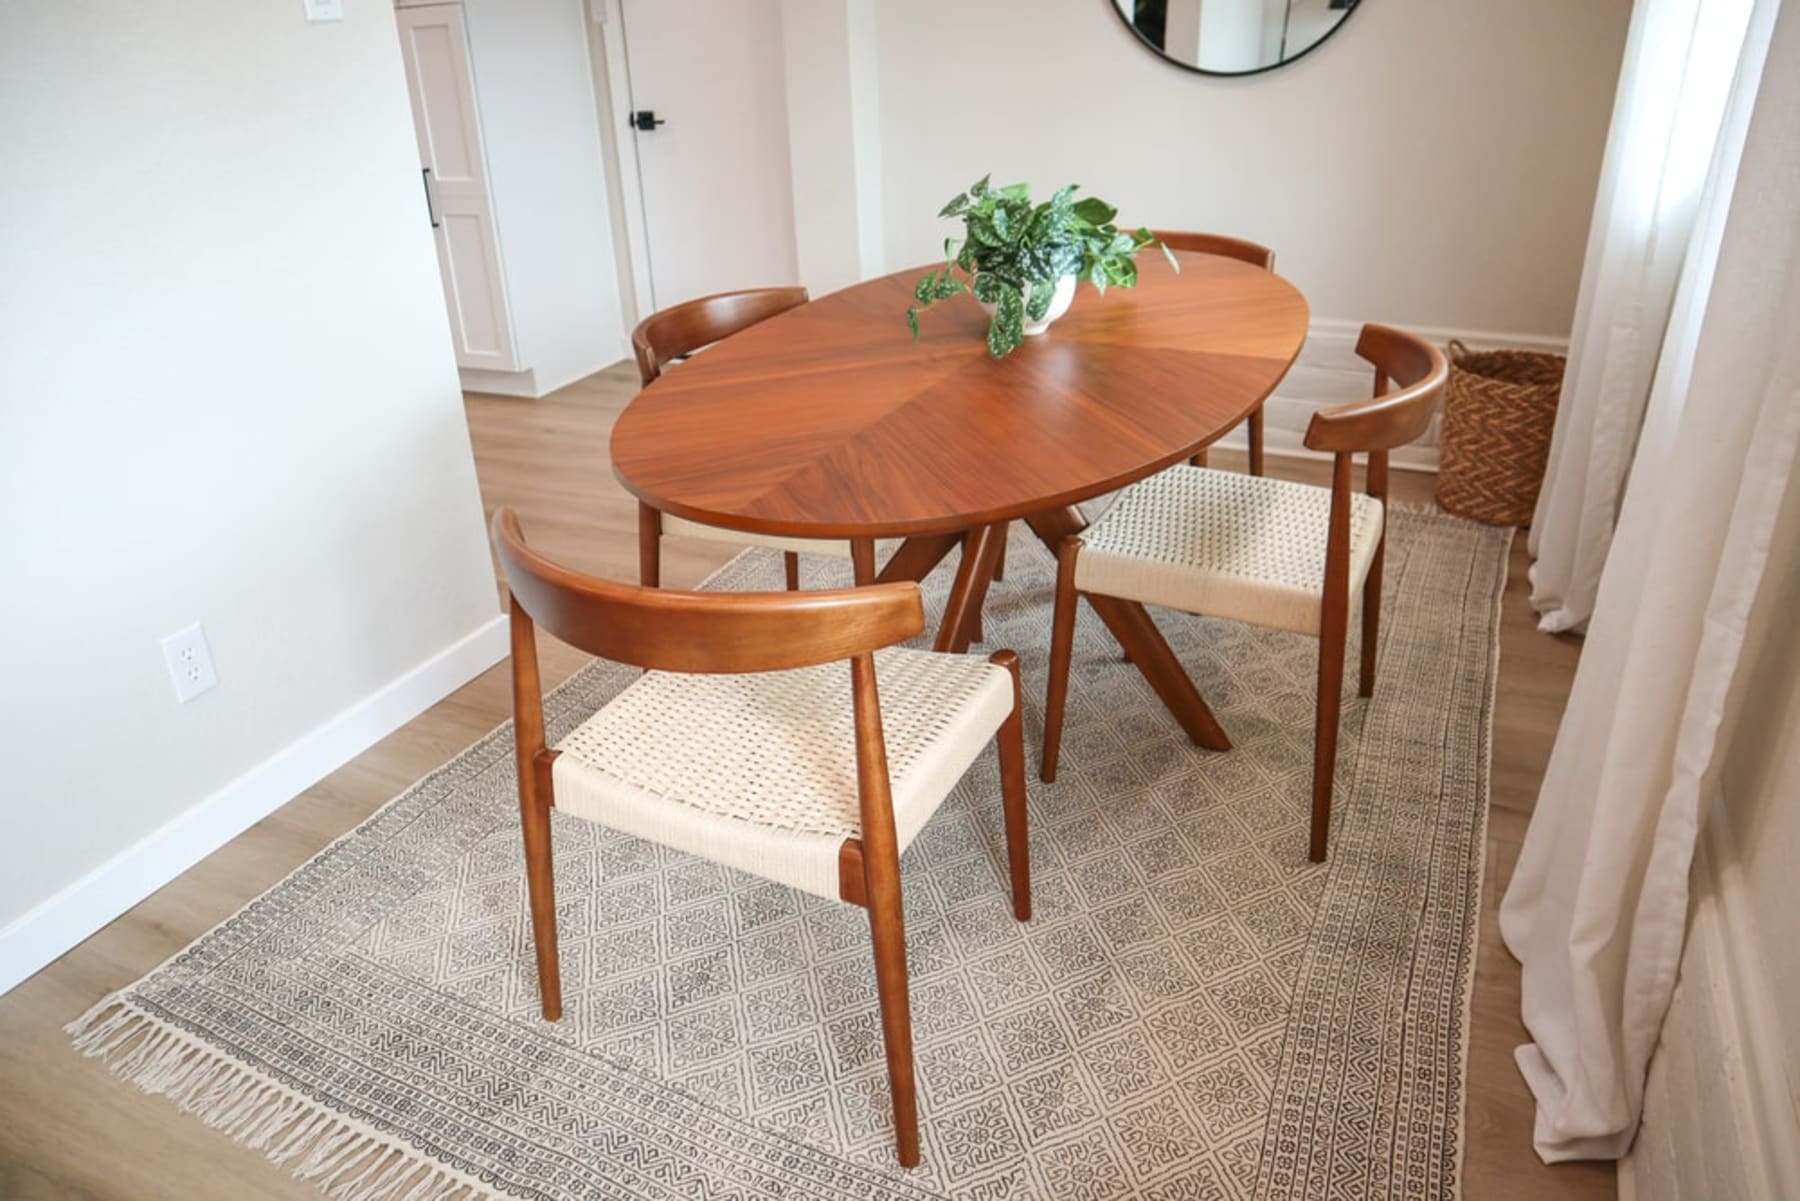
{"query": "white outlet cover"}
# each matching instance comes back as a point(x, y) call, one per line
point(324, 10)
point(190, 662)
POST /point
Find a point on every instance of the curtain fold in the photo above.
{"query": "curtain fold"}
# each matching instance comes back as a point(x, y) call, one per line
point(1677, 74)
point(1596, 911)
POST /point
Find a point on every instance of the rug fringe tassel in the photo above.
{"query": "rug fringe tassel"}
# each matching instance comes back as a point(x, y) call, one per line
point(346, 1159)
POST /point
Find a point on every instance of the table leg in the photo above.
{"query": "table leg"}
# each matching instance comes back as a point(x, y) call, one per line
point(917, 556)
point(1130, 623)
point(962, 610)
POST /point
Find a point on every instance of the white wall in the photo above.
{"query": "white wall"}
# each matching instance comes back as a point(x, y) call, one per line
point(834, 140)
point(1309, 21)
point(1722, 1104)
point(535, 88)
point(228, 396)
point(1434, 164)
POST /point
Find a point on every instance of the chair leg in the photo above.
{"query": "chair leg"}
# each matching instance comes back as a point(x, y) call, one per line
point(791, 561)
point(1371, 626)
point(887, 930)
point(976, 633)
point(1011, 744)
point(649, 546)
point(1325, 730)
point(1000, 559)
point(1062, 643)
point(1256, 441)
point(540, 883)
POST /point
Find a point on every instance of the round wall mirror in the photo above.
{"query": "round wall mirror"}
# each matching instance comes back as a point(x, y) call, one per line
point(1233, 37)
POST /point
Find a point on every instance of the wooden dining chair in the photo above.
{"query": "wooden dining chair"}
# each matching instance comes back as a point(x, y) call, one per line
point(674, 333)
point(1244, 251)
point(1263, 551)
point(750, 741)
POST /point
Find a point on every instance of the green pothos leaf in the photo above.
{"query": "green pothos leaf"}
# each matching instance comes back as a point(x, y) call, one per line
point(1170, 255)
point(1065, 260)
point(1012, 253)
point(1095, 210)
point(984, 230)
point(988, 287)
point(1007, 329)
point(912, 320)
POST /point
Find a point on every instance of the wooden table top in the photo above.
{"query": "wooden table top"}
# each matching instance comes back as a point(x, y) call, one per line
point(830, 421)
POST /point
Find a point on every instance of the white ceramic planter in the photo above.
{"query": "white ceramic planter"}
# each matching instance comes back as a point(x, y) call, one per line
point(1060, 300)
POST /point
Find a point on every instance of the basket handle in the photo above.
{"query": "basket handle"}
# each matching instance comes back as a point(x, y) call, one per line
point(1457, 349)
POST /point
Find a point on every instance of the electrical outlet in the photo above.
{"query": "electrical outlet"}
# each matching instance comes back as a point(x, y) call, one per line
point(324, 10)
point(190, 663)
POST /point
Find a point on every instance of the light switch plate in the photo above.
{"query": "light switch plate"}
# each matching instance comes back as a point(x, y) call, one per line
point(324, 10)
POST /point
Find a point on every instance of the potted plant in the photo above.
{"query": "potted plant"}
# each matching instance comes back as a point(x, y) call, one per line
point(1022, 261)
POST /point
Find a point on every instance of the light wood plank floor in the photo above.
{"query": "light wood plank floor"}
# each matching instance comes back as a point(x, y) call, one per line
point(70, 1130)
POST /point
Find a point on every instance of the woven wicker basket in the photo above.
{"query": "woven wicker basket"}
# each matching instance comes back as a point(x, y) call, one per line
point(1499, 409)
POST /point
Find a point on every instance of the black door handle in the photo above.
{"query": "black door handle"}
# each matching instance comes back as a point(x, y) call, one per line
point(645, 120)
point(430, 208)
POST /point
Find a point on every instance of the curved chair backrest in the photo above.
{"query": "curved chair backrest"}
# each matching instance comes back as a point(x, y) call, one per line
point(1220, 244)
point(685, 328)
point(708, 632)
point(1392, 418)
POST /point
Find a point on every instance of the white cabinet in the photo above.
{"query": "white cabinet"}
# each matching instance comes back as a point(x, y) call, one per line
point(453, 169)
point(510, 153)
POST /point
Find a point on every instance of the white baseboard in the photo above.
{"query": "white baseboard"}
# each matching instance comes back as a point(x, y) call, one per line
point(500, 383)
point(57, 924)
point(534, 384)
point(611, 356)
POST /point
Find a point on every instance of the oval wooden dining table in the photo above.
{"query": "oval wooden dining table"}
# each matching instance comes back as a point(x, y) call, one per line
point(830, 421)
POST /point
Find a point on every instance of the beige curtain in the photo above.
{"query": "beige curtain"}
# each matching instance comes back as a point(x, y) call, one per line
point(1596, 911)
point(1680, 58)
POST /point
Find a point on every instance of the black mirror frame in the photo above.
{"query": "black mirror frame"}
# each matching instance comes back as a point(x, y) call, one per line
point(1158, 51)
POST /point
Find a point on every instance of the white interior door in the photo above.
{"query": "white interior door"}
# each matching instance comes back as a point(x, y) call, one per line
point(454, 173)
point(717, 192)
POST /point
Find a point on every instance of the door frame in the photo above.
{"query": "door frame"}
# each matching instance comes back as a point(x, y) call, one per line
point(505, 359)
point(612, 97)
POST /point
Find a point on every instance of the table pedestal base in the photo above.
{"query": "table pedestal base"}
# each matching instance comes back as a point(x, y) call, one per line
point(1128, 621)
point(982, 548)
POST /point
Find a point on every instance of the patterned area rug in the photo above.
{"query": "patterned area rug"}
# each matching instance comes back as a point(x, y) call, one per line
point(1194, 1012)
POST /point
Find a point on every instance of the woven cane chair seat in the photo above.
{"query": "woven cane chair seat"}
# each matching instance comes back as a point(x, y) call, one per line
point(758, 772)
point(681, 527)
point(1248, 548)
